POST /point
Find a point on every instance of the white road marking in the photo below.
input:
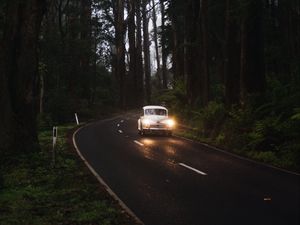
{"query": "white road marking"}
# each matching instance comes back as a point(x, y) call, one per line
point(122, 121)
point(120, 131)
point(118, 125)
point(193, 169)
point(139, 143)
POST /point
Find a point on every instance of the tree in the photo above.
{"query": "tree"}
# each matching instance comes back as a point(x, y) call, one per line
point(133, 76)
point(139, 63)
point(120, 49)
point(231, 47)
point(19, 74)
point(155, 39)
point(191, 51)
point(146, 50)
point(204, 49)
point(252, 74)
point(163, 45)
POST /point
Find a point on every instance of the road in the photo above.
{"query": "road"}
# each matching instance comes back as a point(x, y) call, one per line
point(172, 181)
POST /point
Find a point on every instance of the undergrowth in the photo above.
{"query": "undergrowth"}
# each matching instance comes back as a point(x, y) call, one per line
point(34, 191)
point(267, 131)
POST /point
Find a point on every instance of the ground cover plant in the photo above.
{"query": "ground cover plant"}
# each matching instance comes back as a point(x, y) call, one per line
point(33, 191)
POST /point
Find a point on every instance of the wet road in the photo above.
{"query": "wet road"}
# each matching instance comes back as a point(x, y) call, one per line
point(172, 181)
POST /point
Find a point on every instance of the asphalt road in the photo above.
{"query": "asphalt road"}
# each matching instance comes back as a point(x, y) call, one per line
point(172, 181)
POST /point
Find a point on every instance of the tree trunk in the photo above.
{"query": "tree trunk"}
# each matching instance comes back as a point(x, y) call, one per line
point(6, 112)
point(155, 37)
point(204, 81)
point(231, 57)
point(85, 58)
point(163, 46)
point(42, 91)
point(192, 51)
point(252, 72)
point(177, 54)
point(19, 73)
point(146, 51)
point(133, 76)
point(120, 51)
point(139, 58)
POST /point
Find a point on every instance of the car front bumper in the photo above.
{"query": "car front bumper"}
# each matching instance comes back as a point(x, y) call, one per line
point(156, 127)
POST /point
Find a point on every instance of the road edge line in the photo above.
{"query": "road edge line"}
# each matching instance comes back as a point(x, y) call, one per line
point(238, 156)
point(101, 181)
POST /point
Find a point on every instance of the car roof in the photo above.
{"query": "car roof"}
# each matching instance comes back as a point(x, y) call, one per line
point(154, 107)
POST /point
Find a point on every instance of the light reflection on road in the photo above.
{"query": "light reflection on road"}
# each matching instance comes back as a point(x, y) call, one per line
point(148, 141)
point(153, 148)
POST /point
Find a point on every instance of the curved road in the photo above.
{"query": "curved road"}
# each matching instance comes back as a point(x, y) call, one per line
point(172, 181)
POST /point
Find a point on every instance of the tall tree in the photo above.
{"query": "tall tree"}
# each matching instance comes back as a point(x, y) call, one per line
point(133, 76)
point(252, 73)
point(139, 58)
point(163, 45)
point(177, 19)
point(204, 71)
point(86, 52)
point(155, 39)
point(191, 51)
point(120, 49)
point(231, 55)
point(146, 50)
point(19, 74)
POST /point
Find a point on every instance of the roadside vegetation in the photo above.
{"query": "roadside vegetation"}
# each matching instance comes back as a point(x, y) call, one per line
point(35, 192)
point(266, 130)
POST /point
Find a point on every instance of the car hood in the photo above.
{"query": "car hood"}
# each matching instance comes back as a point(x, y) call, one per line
point(156, 118)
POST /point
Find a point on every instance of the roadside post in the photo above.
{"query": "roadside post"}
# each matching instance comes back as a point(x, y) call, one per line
point(54, 135)
point(76, 117)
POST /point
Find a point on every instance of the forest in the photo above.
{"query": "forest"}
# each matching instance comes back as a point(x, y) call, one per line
point(229, 69)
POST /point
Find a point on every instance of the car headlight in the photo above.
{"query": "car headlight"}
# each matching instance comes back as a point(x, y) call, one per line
point(146, 122)
point(170, 122)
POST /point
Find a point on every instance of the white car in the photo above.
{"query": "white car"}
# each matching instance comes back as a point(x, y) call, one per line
point(155, 119)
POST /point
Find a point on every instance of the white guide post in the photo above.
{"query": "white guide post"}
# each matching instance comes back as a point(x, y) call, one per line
point(76, 117)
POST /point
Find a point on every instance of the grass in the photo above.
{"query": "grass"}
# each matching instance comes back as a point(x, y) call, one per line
point(35, 192)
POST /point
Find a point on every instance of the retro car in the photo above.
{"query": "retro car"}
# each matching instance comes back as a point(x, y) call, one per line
point(155, 119)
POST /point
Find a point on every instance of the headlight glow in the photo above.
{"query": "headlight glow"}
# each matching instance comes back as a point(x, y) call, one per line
point(146, 122)
point(170, 122)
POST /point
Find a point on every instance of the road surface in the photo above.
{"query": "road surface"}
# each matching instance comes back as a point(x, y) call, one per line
point(172, 181)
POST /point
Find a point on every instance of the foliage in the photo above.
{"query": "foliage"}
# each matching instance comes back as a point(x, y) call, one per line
point(267, 131)
point(75, 56)
point(35, 192)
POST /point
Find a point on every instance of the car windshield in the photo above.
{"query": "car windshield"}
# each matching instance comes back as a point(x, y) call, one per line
point(160, 112)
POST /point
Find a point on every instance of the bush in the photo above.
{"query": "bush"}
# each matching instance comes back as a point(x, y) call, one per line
point(213, 116)
point(266, 128)
point(265, 135)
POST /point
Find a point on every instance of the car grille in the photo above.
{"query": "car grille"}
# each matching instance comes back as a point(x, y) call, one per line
point(158, 126)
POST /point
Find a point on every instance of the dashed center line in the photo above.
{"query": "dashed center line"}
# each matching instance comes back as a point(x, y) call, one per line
point(118, 125)
point(138, 143)
point(193, 169)
point(120, 131)
point(122, 121)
